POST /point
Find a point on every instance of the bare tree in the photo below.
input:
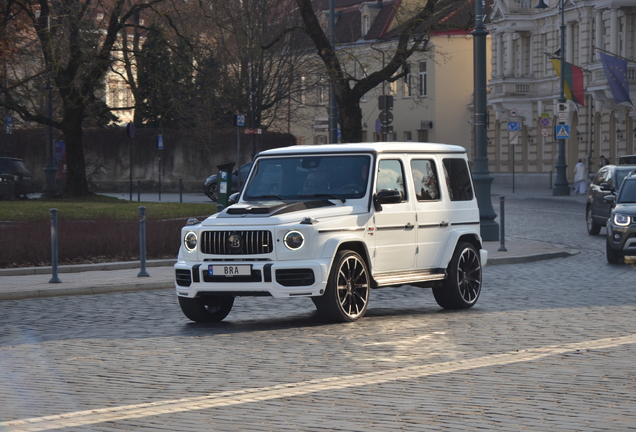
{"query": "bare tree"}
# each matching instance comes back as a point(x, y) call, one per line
point(71, 41)
point(411, 35)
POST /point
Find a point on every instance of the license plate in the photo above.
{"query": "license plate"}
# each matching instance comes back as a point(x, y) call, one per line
point(230, 270)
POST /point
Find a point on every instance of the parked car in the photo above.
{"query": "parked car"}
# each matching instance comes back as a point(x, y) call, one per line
point(607, 181)
point(15, 171)
point(333, 222)
point(621, 226)
point(211, 187)
point(627, 160)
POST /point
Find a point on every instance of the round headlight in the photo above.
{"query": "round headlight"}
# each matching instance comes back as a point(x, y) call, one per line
point(190, 241)
point(294, 240)
point(621, 219)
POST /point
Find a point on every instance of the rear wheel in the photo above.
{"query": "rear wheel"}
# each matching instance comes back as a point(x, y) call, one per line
point(206, 309)
point(347, 294)
point(461, 288)
point(592, 227)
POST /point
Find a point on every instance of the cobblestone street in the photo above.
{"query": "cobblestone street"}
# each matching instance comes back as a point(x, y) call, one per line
point(549, 346)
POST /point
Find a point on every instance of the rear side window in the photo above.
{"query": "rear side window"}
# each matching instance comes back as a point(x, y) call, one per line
point(458, 180)
point(425, 179)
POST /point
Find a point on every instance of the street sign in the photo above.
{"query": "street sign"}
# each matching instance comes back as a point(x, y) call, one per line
point(386, 117)
point(130, 128)
point(253, 131)
point(159, 142)
point(514, 126)
point(545, 132)
point(239, 120)
point(514, 112)
point(563, 131)
point(8, 120)
point(378, 126)
point(563, 107)
point(545, 122)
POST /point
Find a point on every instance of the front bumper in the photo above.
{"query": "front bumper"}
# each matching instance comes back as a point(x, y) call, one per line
point(622, 239)
point(277, 279)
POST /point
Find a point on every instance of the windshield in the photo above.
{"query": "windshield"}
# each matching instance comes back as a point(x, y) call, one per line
point(627, 193)
point(301, 177)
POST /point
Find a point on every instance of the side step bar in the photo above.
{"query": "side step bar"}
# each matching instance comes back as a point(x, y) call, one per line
point(407, 277)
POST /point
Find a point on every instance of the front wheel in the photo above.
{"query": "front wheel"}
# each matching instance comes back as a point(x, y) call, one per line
point(592, 227)
point(461, 288)
point(347, 294)
point(613, 257)
point(206, 309)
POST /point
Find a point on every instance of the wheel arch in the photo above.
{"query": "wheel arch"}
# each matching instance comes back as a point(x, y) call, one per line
point(468, 237)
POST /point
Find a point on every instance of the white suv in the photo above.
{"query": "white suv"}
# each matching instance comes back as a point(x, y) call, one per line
point(331, 222)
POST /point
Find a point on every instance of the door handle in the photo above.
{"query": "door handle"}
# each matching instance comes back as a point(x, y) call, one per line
point(409, 226)
point(443, 224)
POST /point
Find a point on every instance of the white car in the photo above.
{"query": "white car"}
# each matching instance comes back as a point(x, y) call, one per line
point(331, 222)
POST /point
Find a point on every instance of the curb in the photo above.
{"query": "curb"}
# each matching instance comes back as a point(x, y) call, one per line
point(531, 258)
point(77, 268)
point(100, 289)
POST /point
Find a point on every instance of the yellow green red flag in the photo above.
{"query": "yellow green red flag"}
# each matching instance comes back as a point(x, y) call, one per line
point(573, 79)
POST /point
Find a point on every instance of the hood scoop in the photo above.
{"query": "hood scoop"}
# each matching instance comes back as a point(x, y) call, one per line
point(272, 209)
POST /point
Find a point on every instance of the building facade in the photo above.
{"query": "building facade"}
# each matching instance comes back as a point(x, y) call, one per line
point(524, 87)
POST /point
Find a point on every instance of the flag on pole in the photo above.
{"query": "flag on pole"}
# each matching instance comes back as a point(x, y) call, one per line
point(573, 79)
point(616, 74)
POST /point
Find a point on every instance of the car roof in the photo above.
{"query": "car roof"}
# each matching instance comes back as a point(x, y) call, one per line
point(379, 147)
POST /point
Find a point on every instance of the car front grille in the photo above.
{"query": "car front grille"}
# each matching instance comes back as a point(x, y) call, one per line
point(236, 242)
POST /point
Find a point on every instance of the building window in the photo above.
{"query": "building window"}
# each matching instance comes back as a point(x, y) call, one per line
point(407, 86)
point(393, 88)
point(323, 93)
point(423, 78)
point(408, 136)
point(366, 25)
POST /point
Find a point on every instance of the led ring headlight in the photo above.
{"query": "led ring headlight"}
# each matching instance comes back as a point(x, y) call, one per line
point(190, 241)
point(294, 240)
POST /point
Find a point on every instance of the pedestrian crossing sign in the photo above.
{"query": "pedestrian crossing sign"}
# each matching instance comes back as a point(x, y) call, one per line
point(563, 131)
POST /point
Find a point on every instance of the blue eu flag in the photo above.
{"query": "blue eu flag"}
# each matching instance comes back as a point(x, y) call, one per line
point(616, 74)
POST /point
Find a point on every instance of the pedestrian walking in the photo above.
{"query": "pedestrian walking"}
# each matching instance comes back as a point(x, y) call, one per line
point(602, 161)
point(579, 178)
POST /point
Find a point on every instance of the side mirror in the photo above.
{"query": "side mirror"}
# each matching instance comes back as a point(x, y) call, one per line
point(606, 187)
point(232, 199)
point(609, 198)
point(386, 196)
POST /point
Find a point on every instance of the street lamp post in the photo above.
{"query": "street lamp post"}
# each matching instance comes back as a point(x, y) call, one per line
point(561, 186)
point(481, 175)
point(50, 169)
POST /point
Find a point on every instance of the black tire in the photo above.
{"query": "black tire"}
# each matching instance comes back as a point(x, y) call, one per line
point(206, 309)
point(462, 286)
point(347, 294)
point(212, 192)
point(592, 227)
point(613, 257)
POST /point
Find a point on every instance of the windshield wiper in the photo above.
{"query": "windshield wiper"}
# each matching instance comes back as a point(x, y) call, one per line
point(323, 195)
point(265, 197)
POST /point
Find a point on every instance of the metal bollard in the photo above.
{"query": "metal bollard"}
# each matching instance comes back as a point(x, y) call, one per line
point(142, 242)
point(502, 225)
point(54, 278)
point(180, 190)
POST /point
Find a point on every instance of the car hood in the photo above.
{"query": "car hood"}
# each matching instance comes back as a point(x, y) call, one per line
point(626, 208)
point(277, 212)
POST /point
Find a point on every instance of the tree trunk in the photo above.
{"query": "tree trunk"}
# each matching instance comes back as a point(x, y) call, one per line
point(77, 186)
point(350, 118)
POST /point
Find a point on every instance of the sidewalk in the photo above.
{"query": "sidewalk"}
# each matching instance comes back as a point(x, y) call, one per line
point(33, 282)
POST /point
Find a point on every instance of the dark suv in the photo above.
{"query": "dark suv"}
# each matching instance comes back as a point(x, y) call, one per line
point(607, 181)
point(16, 174)
point(621, 226)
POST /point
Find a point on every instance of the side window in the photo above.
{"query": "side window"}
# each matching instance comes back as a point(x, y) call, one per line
point(391, 176)
point(425, 179)
point(458, 180)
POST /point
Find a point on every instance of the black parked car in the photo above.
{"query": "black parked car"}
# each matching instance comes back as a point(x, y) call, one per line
point(621, 226)
point(15, 177)
point(210, 185)
point(607, 181)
